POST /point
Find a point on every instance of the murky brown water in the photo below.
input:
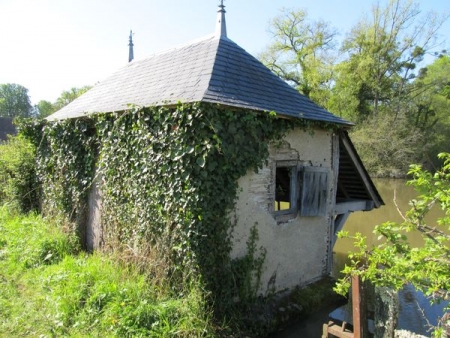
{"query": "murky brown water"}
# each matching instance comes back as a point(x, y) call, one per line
point(365, 222)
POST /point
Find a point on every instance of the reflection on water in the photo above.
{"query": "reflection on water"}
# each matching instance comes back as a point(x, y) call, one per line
point(412, 304)
point(416, 313)
point(364, 222)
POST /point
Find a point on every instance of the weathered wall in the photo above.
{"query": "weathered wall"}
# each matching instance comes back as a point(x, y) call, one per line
point(94, 232)
point(297, 250)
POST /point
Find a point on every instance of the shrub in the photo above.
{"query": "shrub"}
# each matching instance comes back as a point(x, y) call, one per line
point(18, 182)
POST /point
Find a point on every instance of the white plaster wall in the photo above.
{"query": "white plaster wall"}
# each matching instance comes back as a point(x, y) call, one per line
point(297, 250)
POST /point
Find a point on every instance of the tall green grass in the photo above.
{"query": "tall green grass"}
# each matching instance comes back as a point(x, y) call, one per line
point(49, 288)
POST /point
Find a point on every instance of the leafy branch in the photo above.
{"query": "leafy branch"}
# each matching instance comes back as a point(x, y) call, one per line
point(395, 261)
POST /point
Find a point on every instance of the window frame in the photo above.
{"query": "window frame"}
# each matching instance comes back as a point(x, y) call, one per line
point(292, 212)
point(300, 195)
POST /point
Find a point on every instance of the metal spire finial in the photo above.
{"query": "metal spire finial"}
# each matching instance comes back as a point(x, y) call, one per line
point(221, 27)
point(130, 50)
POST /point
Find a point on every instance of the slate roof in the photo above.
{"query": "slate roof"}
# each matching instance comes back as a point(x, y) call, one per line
point(214, 69)
point(6, 128)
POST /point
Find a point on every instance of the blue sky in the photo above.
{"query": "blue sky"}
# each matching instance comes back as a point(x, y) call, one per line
point(52, 45)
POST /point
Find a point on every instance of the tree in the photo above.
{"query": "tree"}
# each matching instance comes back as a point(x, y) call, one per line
point(301, 52)
point(430, 104)
point(377, 86)
point(44, 108)
point(69, 95)
point(383, 53)
point(14, 101)
point(387, 151)
point(395, 262)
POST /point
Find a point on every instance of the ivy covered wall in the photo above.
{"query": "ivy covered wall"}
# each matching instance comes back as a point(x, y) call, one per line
point(169, 180)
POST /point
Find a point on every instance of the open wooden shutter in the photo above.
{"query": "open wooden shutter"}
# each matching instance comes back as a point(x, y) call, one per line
point(313, 191)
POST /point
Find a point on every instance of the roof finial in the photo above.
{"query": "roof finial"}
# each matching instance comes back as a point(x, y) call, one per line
point(130, 50)
point(221, 27)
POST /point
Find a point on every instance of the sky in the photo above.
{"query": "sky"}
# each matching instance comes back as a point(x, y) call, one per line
point(49, 46)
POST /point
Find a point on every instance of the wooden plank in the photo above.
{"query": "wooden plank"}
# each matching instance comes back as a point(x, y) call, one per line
point(360, 323)
point(325, 331)
point(314, 191)
point(337, 331)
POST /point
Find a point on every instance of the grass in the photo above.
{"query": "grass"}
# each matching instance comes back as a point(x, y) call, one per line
point(49, 288)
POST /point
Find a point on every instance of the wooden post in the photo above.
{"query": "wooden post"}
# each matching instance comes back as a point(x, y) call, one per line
point(360, 327)
point(359, 309)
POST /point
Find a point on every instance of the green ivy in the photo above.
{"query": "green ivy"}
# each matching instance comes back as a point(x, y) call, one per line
point(249, 268)
point(66, 152)
point(175, 172)
point(169, 180)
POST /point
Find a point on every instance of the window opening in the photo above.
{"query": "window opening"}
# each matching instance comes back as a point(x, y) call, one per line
point(285, 201)
point(283, 189)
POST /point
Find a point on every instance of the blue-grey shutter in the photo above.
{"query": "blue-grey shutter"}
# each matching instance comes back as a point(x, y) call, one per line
point(313, 194)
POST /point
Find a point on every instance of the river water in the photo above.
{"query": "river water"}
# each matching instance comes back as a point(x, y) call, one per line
point(412, 303)
point(364, 222)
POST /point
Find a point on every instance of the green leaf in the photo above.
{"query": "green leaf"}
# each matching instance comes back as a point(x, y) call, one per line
point(201, 162)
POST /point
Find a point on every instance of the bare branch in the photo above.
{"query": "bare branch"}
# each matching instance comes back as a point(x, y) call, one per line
point(397, 207)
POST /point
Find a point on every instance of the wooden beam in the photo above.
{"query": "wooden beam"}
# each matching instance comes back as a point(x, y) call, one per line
point(360, 322)
point(335, 151)
point(352, 206)
point(338, 225)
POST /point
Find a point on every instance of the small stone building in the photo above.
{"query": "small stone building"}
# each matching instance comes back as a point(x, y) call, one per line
point(311, 182)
